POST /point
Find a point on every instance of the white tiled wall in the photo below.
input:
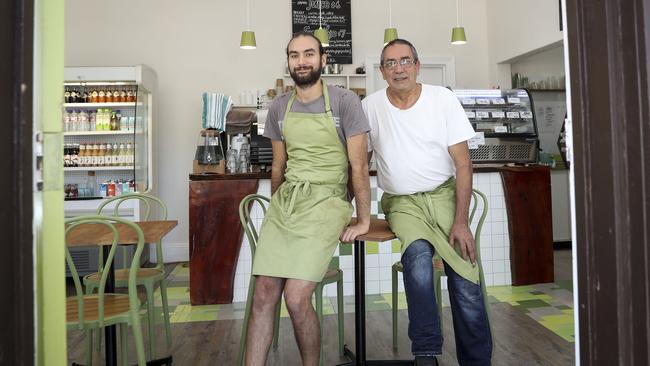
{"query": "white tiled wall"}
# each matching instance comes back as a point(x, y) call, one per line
point(495, 246)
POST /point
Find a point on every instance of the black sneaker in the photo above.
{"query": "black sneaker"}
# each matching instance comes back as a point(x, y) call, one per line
point(426, 361)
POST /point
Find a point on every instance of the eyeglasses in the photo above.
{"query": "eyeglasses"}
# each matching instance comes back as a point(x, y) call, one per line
point(392, 64)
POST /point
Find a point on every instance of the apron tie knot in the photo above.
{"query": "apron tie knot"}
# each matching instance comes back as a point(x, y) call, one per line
point(294, 188)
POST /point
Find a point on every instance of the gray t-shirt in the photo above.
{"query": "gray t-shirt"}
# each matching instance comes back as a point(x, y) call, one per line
point(346, 110)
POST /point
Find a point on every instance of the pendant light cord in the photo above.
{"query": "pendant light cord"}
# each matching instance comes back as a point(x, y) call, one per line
point(248, 15)
point(390, 13)
point(457, 22)
point(320, 14)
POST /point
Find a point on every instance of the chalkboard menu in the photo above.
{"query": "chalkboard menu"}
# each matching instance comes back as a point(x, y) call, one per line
point(337, 21)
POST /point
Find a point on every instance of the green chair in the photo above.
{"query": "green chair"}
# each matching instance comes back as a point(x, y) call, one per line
point(332, 275)
point(94, 311)
point(147, 277)
point(438, 265)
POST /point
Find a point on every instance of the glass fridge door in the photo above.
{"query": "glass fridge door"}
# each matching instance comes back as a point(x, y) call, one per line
point(142, 141)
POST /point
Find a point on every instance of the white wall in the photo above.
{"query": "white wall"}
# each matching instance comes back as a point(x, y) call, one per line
point(516, 28)
point(541, 65)
point(194, 46)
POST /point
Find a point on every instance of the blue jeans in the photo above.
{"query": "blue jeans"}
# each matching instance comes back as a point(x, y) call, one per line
point(471, 328)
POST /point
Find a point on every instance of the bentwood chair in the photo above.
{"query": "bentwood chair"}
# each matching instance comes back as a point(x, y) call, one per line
point(95, 311)
point(438, 266)
point(147, 277)
point(332, 275)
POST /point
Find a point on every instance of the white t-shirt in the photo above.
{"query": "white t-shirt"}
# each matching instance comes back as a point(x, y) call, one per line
point(411, 146)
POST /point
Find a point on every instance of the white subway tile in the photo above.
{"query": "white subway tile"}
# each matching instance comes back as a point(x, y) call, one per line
point(499, 266)
point(372, 274)
point(499, 279)
point(372, 260)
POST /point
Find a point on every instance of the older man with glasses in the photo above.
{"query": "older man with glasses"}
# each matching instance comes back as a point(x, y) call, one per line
point(419, 137)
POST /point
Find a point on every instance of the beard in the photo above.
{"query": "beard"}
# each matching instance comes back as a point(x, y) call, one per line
point(304, 81)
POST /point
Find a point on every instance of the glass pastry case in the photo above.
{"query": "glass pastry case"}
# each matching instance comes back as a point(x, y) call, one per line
point(505, 124)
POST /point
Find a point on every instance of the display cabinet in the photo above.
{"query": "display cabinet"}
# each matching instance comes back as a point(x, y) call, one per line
point(505, 123)
point(108, 132)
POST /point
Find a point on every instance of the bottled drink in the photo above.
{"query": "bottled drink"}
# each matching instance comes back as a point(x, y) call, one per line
point(91, 184)
point(82, 155)
point(114, 126)
point(101, 97)
point(94, 96)
point(121, 157)
point(83, 121)
point(66, 156)
point(66, 119)
point(74, 121)
point(101, 154)
point(74, 155)
point(116, 155)
point(92, 121)
point(129, 154)
point(94, 155)
point(106, 123)
point(109, 96)
point(108, 157)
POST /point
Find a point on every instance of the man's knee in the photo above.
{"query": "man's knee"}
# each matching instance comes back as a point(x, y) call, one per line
point(267, 292)
point(298, 298)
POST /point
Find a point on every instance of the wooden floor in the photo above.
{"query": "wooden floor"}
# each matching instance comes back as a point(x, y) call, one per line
point(518, 339)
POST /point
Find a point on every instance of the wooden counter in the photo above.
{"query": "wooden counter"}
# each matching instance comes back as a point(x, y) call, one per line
point(216, 233)
point(215, 237)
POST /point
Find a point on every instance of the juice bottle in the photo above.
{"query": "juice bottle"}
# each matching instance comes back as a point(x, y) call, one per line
point(121, 157)
point(93, 155)
point(114, 126)
point(101, 155)
point(108, 157)
point(82, 154)
point(129, 154)
point(116, 155)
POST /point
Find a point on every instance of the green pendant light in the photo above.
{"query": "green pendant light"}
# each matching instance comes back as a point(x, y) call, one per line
point(321, 33)
point(458, 32)
point(390, 33)
point(248, 36)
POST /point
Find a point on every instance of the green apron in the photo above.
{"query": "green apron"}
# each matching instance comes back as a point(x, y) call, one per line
point(309, 211)
point(428, 216)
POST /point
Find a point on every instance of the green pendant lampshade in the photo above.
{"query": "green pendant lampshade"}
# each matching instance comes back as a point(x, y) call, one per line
point(321, 34)
point(248, 40)
point(389, 35)
point(458, 35)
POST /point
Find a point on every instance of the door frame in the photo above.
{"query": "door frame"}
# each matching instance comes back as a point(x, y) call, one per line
point(608, 43)
point(17, 340)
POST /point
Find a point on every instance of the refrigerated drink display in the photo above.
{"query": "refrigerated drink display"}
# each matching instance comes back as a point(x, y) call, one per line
point(101, 107)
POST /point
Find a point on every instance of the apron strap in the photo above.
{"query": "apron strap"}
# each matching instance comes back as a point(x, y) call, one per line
point(326, 96)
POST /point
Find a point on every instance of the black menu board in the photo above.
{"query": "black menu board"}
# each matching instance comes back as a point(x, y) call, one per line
point(337, 21)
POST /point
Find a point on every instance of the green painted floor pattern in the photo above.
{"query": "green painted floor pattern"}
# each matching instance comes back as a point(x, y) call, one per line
point(550, 304)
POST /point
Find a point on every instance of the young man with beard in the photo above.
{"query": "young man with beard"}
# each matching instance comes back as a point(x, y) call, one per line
point(419, 137)
point(317, 133)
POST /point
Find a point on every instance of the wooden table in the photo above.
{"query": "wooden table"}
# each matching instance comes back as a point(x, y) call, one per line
point(379, 231)
point(100, 234)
